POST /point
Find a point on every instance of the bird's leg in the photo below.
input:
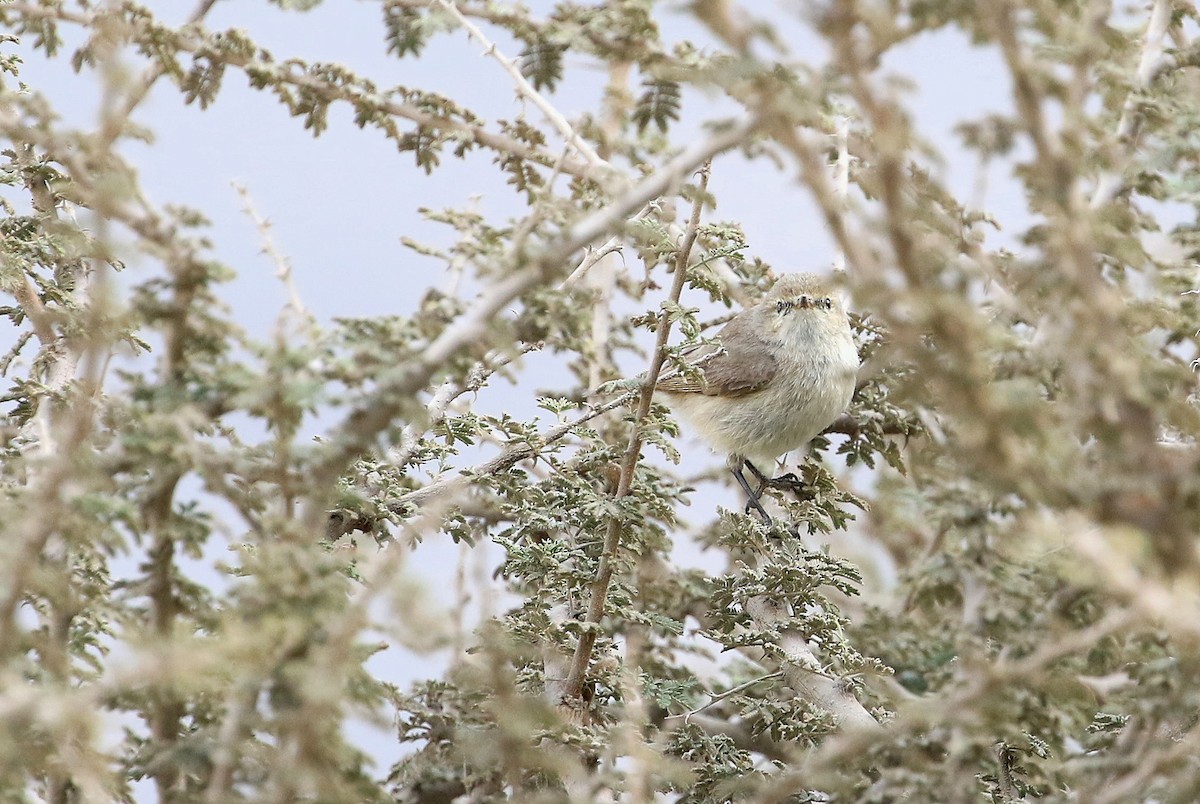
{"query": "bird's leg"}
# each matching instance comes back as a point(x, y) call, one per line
point(752, 501)
point(763, 480)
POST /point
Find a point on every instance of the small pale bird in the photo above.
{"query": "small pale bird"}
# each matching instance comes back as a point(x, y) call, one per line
point(773, 378)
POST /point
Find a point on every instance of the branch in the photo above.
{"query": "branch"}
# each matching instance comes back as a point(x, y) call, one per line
point(31, 304)
point(357, 433)
point(114, 123)
point(41, 515)
point(1004, 776)
point(848, 425)
point(450, 390)
point(573, 686)
point(527, 90)
point(890, 138)
point(595, 255)
point(60, 357)
point(926, 712)
point(1055, 177)
point(1150, 65)
point(283, 266)
point(238, 704)
point(165, 709)
point(1162, 603)
point(602, 283)
point(1026, 94)
point(842, 180)
point(815, 173)
point(356, 94)
point(511, 455)
point(715, 698)
point(803, 672)
point(51, 462)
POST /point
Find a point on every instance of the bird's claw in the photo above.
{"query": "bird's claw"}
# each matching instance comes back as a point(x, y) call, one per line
point(788, 482)
point(794, 485)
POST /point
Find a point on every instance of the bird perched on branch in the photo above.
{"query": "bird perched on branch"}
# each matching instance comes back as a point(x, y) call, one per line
point(773, 378)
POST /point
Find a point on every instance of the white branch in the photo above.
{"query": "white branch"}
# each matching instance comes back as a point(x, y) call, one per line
point(803, 672)
point(842, 180)
point(1111, 182)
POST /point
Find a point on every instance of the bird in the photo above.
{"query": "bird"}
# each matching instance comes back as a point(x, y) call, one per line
point(776, 375)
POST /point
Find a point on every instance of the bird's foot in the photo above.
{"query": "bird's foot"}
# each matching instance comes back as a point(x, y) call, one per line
point(792, 484)
point(788, 482)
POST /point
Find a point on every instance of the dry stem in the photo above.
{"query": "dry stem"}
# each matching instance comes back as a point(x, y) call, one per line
point(573, 686)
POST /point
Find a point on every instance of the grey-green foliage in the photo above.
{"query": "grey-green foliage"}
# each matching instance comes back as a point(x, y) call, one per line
point(1014, 616)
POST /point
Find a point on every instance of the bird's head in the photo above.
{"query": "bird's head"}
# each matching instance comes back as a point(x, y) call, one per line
point(806, 295)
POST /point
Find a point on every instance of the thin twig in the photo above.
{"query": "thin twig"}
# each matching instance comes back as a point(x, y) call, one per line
point(527, 90)
point(12, 353)
point(1026, 93)
point(447, 392)
point(612, 537)
point(283, 265)
point(815, 170)
point(884, 116)
point(1004, 775)
point(717, 697)
point(510, 456)
point(611, 246)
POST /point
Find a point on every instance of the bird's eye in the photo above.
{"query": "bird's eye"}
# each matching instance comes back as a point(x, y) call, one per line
point(784, 306)
point(827, 303)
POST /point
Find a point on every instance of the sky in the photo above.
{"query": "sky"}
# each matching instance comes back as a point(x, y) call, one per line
point(340, 203)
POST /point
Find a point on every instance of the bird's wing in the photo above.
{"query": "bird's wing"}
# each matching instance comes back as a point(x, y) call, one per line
point(735, 363)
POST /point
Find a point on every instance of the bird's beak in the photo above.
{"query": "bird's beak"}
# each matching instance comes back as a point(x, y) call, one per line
point(804, 302)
